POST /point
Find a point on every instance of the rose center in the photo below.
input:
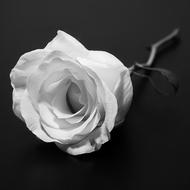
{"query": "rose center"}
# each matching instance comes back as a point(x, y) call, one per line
point(73, 95)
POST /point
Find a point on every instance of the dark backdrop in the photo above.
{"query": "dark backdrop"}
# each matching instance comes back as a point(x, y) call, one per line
point(151, 149)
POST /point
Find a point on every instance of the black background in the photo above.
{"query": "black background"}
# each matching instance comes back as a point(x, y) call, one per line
point(151, 150)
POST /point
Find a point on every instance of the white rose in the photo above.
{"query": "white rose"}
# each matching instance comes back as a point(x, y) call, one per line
point(70, 95)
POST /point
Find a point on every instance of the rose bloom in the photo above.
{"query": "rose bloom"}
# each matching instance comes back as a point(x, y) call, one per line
point(70, 95)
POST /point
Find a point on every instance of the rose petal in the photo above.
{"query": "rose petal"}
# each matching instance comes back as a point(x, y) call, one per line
point(86, 145)
point(124, 93)
point(59, 101)
point(43, 72)
point(67, 44)
point(84, 99)
point(107, 66)
point(73, 97)
point(82, 149)
point(32, 118)
point(25, 66)
point(90, 143)
point(107, 98)
point(17, 96)
point(48, 118)
point(76, 133)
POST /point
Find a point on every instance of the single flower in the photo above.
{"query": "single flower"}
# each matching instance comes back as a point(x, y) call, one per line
point(70, 95)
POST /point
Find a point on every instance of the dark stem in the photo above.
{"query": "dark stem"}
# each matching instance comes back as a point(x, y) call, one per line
point(147, 66)
point(154, 49)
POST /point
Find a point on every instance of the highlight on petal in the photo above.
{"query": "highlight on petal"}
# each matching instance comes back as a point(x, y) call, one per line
point(105, 65)
point(17, 96)
point(82, 149)
point(67, 44)
point(124, 93)
point(25, 66)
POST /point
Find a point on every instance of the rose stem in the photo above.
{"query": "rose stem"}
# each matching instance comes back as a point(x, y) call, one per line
point(154, 49)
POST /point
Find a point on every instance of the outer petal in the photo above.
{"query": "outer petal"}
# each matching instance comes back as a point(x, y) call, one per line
point(107, 66)
point(87, 145)
point(19, 74)
point(124, 93)
point(67, 44)
point(25, 66)
point(90, 143)
point(32, 119)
